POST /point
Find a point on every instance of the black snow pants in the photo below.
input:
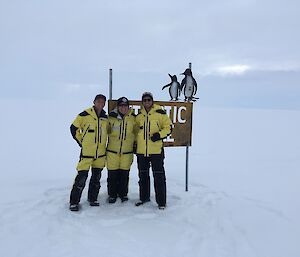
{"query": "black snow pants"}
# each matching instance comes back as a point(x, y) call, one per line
point(157, 164)
point(117, 183)
point(79, 184)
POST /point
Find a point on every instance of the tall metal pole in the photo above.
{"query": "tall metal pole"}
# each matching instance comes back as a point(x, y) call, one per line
point(186, 168)
point(110, 84)
point(187, 158)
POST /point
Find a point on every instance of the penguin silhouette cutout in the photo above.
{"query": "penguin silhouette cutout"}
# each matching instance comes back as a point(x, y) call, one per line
point(189, 86)
point(174, 88)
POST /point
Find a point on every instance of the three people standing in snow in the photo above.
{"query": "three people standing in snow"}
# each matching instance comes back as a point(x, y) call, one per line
point(123, 130)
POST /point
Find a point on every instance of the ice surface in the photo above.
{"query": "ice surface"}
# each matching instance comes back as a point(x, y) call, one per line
point(243, 198)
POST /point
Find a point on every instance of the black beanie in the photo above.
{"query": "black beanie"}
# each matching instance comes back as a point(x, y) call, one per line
point(123, 100)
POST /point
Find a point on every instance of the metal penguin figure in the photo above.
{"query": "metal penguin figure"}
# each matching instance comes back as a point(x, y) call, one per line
point(174, 88)
point(189, 86)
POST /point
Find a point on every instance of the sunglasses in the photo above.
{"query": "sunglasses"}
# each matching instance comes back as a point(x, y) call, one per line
point(147, 100)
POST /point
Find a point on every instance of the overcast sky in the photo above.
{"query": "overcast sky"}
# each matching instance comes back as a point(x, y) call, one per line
point(243, 51)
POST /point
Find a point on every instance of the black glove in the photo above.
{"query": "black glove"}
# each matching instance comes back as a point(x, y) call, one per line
point(155, 137)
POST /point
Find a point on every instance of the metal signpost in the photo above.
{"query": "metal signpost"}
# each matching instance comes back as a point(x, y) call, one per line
point(110, 84)
point(187, 158)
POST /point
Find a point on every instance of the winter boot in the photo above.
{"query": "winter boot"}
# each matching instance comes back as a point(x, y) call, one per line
point(140, 202)
point(124, 198)
point(112, 199)
point(94, 203)
point(74, 207)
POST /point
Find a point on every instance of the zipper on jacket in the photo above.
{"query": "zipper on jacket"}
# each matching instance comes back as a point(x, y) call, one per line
point(120, 131)
point(125, 131)
point(122, 134)
point(144, 130)
point(97, 138)
point(100, 128)
point(147, 135)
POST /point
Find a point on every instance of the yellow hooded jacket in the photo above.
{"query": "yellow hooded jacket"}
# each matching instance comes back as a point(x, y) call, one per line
point(155, 121)
point(121, 132)
point(90, 132)
point(121, 138)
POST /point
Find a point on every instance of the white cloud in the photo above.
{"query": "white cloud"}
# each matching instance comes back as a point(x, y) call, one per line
point(253, 65)
point(278, 66)
point(233, 69)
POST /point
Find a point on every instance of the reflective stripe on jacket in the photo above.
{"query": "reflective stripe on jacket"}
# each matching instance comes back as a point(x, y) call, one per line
point(90, 132)
point(155, 121)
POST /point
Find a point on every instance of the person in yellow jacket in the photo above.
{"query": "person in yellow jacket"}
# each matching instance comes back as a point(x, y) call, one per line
point(89, 129)
point(121, 137)
point(154, 125)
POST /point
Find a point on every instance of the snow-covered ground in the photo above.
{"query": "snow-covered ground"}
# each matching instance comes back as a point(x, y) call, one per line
point(243, 198)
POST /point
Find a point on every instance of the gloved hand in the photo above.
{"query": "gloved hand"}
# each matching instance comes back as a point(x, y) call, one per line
point(155, 137)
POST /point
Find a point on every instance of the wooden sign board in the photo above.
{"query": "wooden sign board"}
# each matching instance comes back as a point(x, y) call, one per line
point(180, 114)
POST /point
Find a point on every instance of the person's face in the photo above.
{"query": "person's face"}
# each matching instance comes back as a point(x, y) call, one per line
point(123, 108)
point(99, 103)
point(147, 102)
